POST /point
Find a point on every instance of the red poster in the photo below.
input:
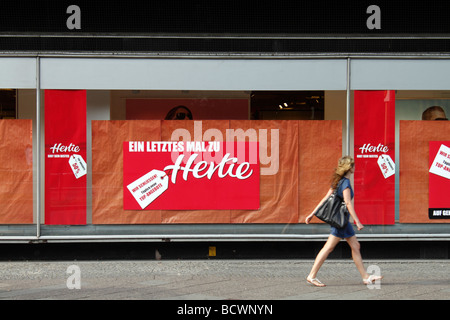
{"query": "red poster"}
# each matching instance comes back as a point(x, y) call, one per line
point(65, 157)
point(374, 133)
point(190, 175)
point(439, 180)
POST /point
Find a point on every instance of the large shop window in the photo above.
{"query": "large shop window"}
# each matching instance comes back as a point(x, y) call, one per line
point(423, 132)
point(112, 157)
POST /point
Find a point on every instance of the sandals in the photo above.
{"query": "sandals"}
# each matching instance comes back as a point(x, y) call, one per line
point(314, 282)
point(371, 279)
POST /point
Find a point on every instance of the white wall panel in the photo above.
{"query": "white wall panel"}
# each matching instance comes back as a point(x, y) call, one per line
point(225, 74)
point(17, 73)
point(400, 74)
point(193, 74)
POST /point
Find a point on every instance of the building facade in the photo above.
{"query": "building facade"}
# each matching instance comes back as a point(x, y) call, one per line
point(96, 97)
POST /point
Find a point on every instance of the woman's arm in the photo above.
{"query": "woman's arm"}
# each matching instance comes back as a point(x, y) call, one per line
point(308, 218)
point(351, 209)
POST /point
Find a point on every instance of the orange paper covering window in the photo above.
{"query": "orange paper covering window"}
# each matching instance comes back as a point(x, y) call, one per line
point(16, 172)
point(415, 138)
point(296, 159)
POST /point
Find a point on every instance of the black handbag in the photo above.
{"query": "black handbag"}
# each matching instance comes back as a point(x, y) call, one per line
point(334, 210)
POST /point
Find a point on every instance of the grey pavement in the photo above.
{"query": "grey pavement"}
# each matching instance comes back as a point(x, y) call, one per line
point(220, 280)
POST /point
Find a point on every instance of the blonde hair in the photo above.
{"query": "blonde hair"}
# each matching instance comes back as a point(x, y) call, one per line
point(345, 164)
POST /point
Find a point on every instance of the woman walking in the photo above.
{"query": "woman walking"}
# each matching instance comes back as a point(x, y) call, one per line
point(346, 167)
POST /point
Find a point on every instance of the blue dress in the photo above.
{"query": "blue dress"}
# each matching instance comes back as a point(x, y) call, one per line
point(347, 231)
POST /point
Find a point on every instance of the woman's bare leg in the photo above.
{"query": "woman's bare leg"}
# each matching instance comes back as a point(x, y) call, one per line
point(356, 255)
point(323, 254)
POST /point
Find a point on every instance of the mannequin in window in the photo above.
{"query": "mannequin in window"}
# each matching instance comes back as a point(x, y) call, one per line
point(179, 113)
point(434, 113)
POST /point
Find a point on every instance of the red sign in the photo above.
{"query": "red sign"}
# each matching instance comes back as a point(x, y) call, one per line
point(190, 175)
point(439, 180)
point(374, 133)
point(65, 157)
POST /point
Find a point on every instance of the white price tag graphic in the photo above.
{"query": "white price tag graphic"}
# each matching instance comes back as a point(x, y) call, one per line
point(78, 165)
point(149, 187)
point(441, 163)
point(387, 166)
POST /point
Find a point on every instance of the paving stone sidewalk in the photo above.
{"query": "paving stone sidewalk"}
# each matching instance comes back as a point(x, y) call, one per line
point(220, 280)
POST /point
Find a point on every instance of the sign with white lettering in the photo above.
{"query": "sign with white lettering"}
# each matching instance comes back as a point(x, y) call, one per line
point(190, 175)
point(441, 163)
point(65, 151)
point(374, 150)
point(439, 180)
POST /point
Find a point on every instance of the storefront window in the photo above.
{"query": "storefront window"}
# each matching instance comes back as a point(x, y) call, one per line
point(423, 141)
point(408, 185)
point(96, 145)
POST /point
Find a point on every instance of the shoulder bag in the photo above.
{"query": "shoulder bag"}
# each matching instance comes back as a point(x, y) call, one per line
point(334, 210)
